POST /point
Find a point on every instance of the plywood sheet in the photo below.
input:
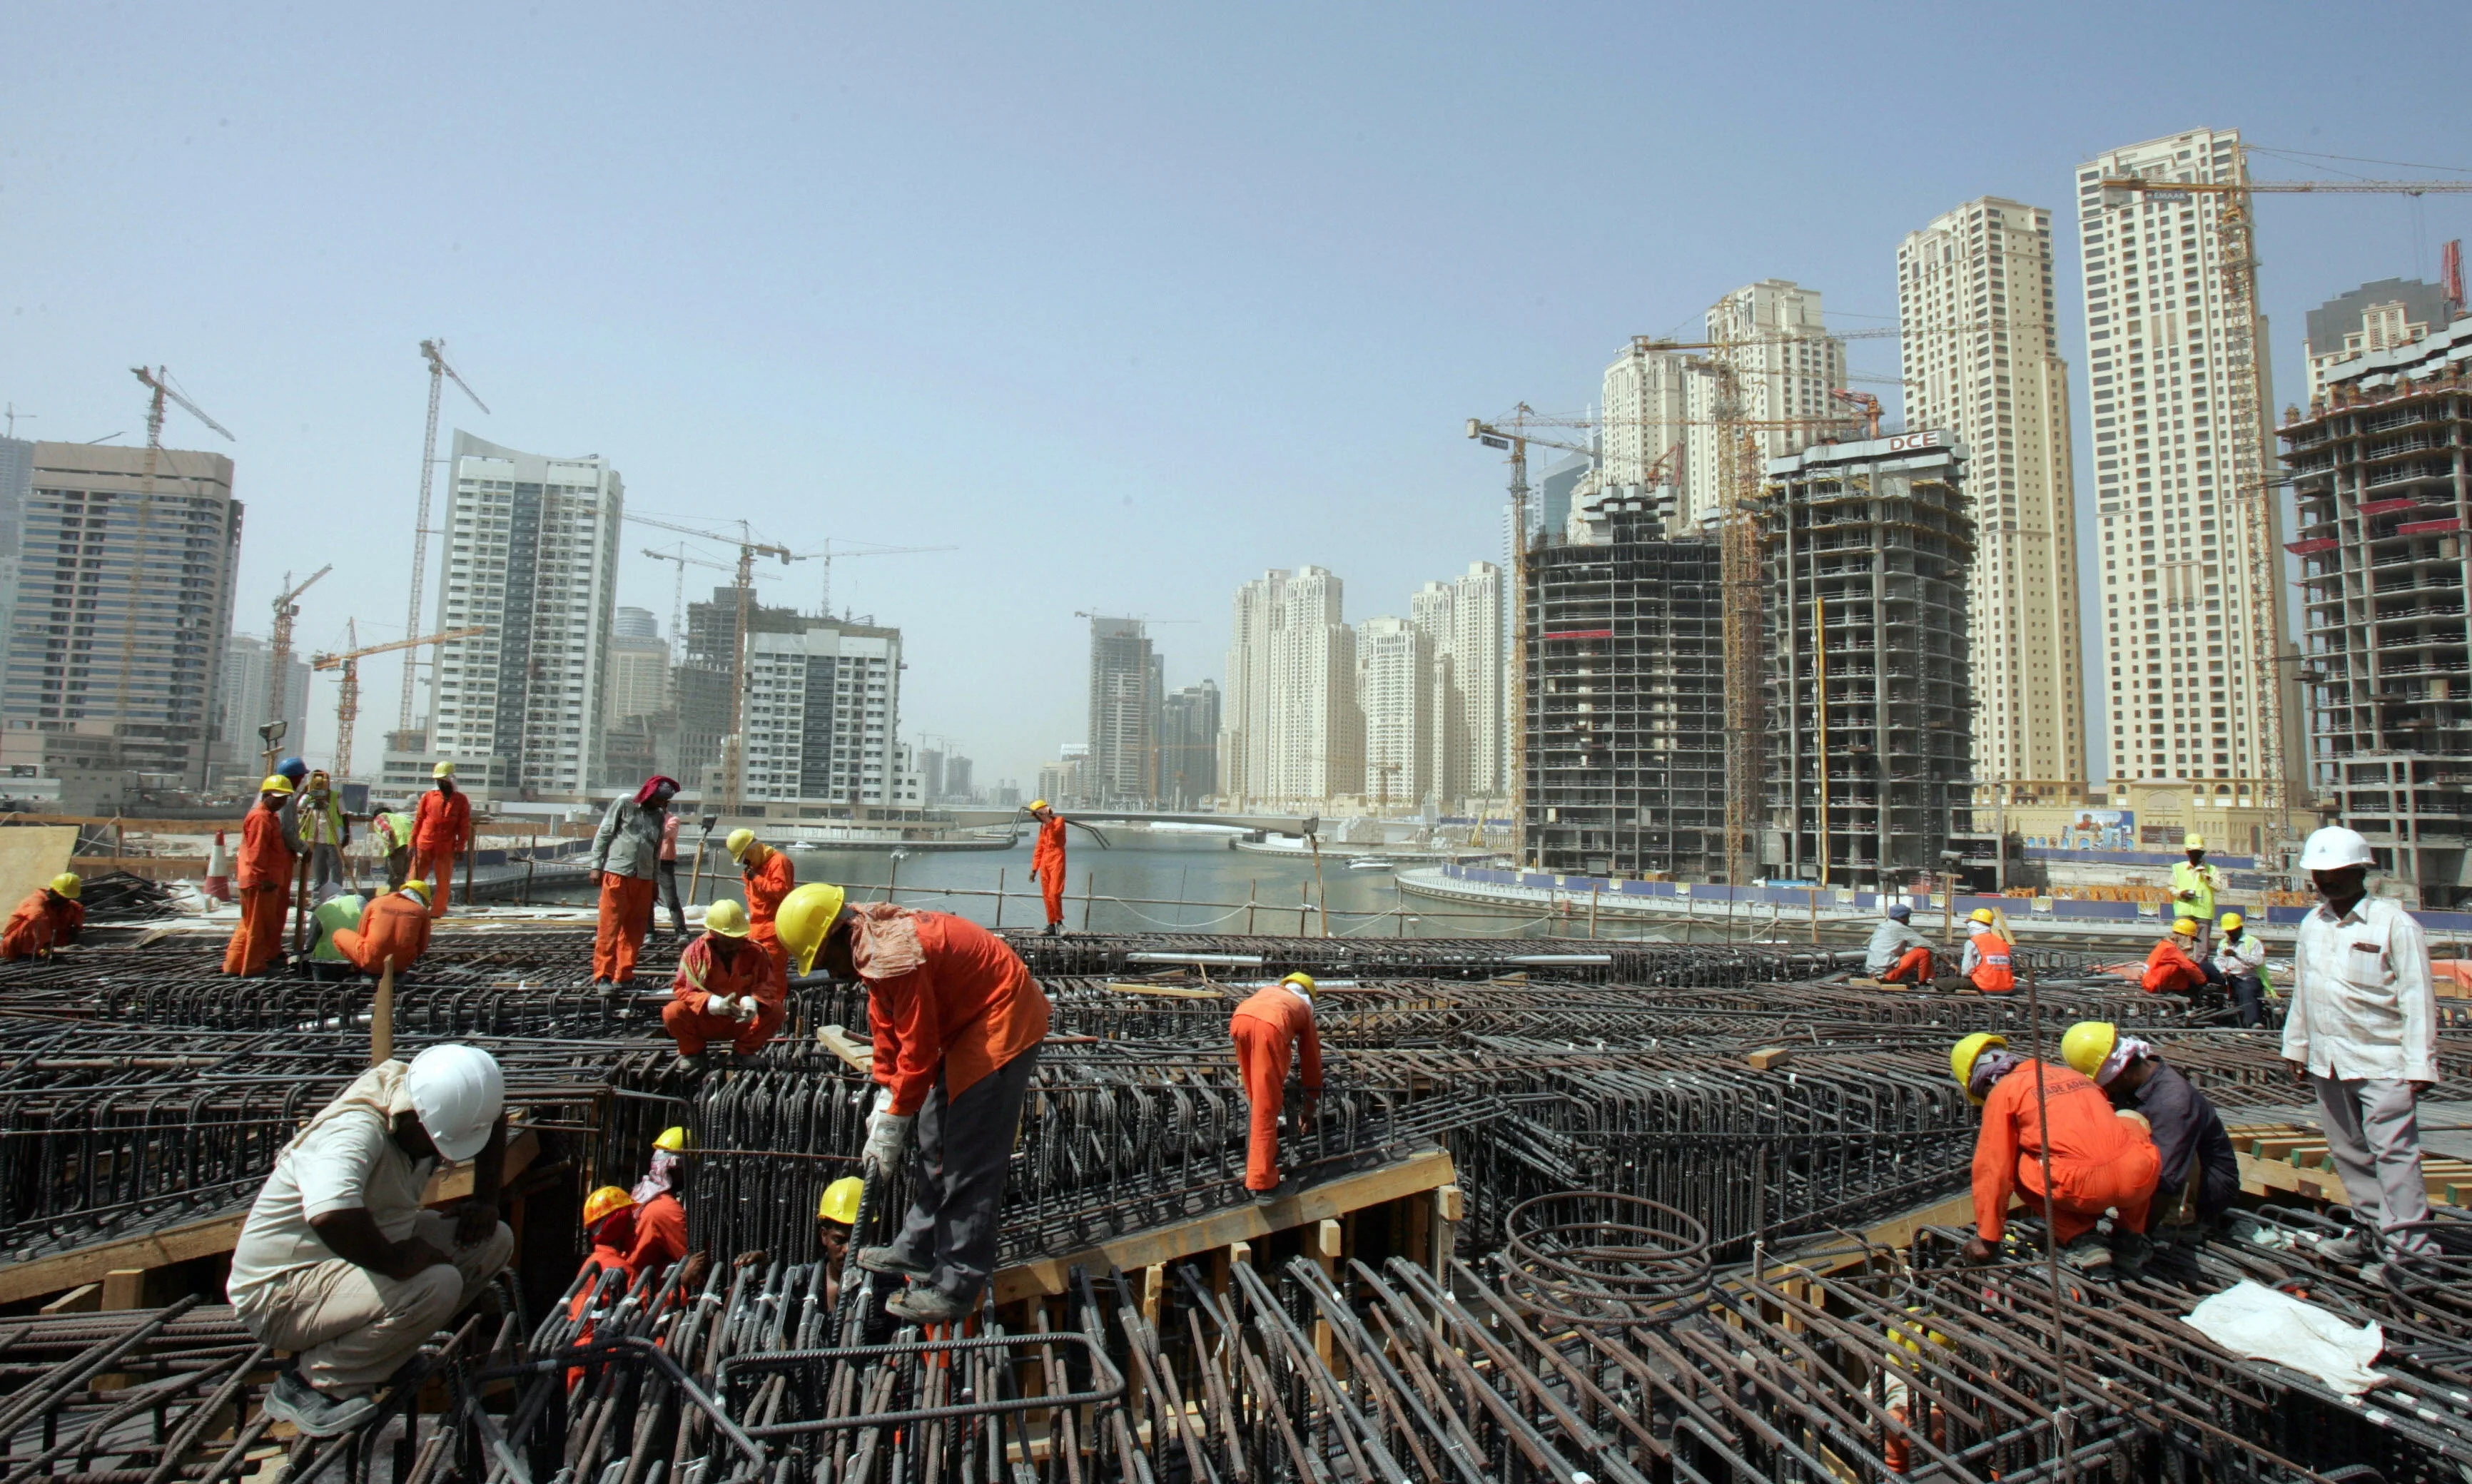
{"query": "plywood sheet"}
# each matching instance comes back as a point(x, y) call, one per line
point(31, 856)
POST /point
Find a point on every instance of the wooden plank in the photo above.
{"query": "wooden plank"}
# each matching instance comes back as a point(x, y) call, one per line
point(2276, 1177)
point(1420, 1172)
point(1164, 990)
point(83, 1299)
point(124, 1288)
point(858, 1054)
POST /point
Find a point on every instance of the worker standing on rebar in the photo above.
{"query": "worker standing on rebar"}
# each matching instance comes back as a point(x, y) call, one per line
point(2239, 962)
point(2362, 1029)
point(2101, 1161)
point(441, 826)
point(1047, 863)
point(1985, 962)
point(626, 858)
point(2198, 1172)
point(2194, 885)
point(957, 1021)
point(328, 832)
point(268, 853)
point(340, 1263)
point(2173, 966)
point(727, 989)
point(1268, 1029)
point(48, 920)
point(769, 877)
point(394, 832)
point(1897, 954)
point(394, 928)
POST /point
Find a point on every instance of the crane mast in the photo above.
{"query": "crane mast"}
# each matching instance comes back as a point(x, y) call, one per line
point(433, 351)
point(348, 705)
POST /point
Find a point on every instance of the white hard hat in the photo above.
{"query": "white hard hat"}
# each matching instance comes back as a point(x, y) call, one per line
point(458, 1090)
point(2333, 848)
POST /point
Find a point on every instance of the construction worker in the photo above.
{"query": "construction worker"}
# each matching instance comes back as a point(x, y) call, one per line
point(727, 989)
point(2239, 962)
point(661, 1219)
point(268, 851)
point(1047, 863)
point(336, 915)
point(1897, 954)
point(296, 772)
point(609, 1226)
point(669, 872)
point(48, 919)
point(2194, 885)
point(441, 826)
point(2100, 1160)
point(338, 1263)
point(393, 833)
point(2362, 1029)
point(769, 877)
point(394, 928)
point(625, 858)
point(836, 1216)
point(957, 1021)
point(328, 834)
point(2197, 1173)
point(2172, 967)
point(1268, 1028)
point(1985, 963)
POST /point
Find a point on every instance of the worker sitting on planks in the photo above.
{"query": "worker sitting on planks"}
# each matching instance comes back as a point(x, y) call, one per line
point(727, 988)
point(1047, 863)
point(2172, 967)
point(2238, 960)
point(836, 1215)
point(1984, 968)
point(626, 862)
point(1267, 1029)
point(769, 877)
point(48, 919)
point(2101, 1159)
point(268, 851)
point(394, 928)
point(339, 1263)
point(441, 826)
point(957, 1021)
point(1897, 954)
point(2198, 1173)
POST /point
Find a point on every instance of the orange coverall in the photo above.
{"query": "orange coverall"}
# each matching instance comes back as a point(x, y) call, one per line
point(765, 885)
point(1267, 1029)
point(743, 968)
point(394, 926)
point(42, 922)
point(264, 871)
point(441, 826)
point(612, 1247)
point(661, 1237)
point(968, 1009)
point(2098, 1159)
point(2171, 971)
point(626, 916)
point(1915, 968)
point(1047, 863)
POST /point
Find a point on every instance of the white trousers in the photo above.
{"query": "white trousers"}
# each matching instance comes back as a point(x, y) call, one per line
point(2374, 1135)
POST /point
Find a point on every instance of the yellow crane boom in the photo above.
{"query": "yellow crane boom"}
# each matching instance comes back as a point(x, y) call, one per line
point(348, 705)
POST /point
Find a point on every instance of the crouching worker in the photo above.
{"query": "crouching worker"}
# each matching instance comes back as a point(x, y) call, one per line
point(727, 988)
point(2197, 1173)
point(1268, 1028)
point(394, 928)
point(956, 1020)
point(48, 919)
point(1897, 954)
point(2172, 967)
point(338, 1263)
point(2101, 1161)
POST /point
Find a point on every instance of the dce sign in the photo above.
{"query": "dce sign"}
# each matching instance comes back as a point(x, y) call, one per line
point(1903, 441)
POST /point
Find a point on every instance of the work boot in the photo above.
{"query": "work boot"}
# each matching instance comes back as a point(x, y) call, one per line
point(2089, 1254)
point(692, 1065)
point(1054, 930)
point(925, 1305)
point(891, 1262)
point(2131, 1252)
point(2353, 1246)
point(293, 1400)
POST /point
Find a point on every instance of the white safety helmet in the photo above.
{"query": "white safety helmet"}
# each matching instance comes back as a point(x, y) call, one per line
point(2333, 848)
point(457, 1091)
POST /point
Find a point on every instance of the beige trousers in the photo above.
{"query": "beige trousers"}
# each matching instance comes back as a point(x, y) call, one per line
point(353, 1329)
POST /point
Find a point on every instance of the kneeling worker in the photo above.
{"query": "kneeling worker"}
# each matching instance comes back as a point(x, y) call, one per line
point(393, 929)
point(958, 1021)
point(1897, 954)
point(2100, 1160)
point(2197, 1173)
point(339, 1263)
point(726, 987)
point(2172, 969)
point(48, 919)
point(1266, 1028)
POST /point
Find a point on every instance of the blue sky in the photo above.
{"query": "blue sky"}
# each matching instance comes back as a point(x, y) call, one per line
point(1129, 303)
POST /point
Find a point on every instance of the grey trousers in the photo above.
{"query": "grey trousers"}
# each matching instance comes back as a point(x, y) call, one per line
point(326, 871)
point(964, 1147)
point(2374, 1135)
point(351, 1328)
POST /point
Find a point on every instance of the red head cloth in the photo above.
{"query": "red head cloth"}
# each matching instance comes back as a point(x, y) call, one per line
point(644, 795)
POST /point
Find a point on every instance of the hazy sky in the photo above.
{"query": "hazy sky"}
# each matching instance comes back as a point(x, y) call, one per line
point(1129, 303)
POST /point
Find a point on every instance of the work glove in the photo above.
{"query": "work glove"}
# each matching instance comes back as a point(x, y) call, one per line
point(746, 1009)
point(887, 1135)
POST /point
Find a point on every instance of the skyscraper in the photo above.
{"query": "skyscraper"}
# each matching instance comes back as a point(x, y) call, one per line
point(1189, 745)
point(242, 704)
point(2376, 315)
point(1394, 684)
point(1786, 366)
point(533, 555)
point(2181, 624)
point(1293, 731)
point(124, 601)
point(824, 708)
point(1123, 714)
point(1982, 361)
point(1462, 622)
point(639, 667)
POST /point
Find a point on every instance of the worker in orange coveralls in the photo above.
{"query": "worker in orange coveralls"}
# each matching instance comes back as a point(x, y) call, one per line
point(268, 853)
point(1047, 862)
point(2101, 1159)
point(956, 1020)
point(626, 863)
point(2172, 968)
point(661, 1220)
point(769, 877)
point(1268, 1028)
point(727, 989)
point(394, 928)
point(50, 918)
point(441, 826)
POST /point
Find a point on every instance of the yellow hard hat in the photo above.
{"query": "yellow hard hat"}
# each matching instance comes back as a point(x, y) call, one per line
point(2088, 1045)
point(2230, 922)
point(672, 1138)
point(68, 885)
point(1301, 980)
point(275, 783)
point(417, 888)
point(1984, 914)
point(1961, 1058)
point(726, 918)
point(1035, 805)
point(805, 918)
point(2186, 927)
point(319, 775)
point(604, 1202)
point(1903, 1333)
point(841, 1201)
point(738, 841)
point(2193, 841)
point(442, 770)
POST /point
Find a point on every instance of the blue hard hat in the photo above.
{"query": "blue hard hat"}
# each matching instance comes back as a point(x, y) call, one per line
point(1900, 911)
point(292, 768)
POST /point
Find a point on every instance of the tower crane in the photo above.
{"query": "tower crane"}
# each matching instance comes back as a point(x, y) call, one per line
point(2234, 242)
point(678, 593)
point(733, 740)
point(433, 351)
point(347, 704)
point(279, 658)
point(825, 554)
point(159, 391)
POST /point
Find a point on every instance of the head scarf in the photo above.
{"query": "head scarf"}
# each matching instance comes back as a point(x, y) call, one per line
point(663, 1176)
point(1993, 1064)
point(2122, 1052)
point(884, 940)
point(660, 784)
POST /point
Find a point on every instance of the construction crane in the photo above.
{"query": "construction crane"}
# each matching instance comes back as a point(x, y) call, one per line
point(825, 554)
point(1869, 404)
point(733, 741)
point(2253, 493)
point(433, 351)
point(679, 594)
point(159, 391)
point(347, 703)
point(278, 657)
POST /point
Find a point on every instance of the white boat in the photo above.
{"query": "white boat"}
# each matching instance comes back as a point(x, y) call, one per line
point(1368, 864)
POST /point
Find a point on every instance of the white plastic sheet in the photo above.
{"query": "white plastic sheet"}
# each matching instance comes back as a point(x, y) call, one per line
point(2265, 1324)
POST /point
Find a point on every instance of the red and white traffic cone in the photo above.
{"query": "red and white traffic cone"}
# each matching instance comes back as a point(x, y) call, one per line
point(217, 882)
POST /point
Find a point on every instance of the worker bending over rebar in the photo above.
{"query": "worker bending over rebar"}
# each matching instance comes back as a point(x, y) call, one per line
point(2100, 1160)
point(1267, 1029)
point(48, 919)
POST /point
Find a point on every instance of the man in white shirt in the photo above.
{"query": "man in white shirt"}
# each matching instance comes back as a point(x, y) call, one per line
point(339, 1263)
point(2362, 1030)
